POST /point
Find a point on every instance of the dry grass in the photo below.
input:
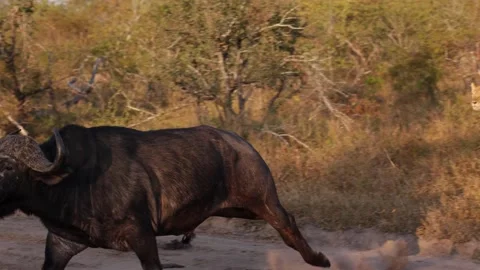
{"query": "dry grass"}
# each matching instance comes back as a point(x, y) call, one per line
point(424, 180)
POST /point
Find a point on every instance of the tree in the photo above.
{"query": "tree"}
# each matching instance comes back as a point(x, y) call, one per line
point(18, 78)
point(222, 51)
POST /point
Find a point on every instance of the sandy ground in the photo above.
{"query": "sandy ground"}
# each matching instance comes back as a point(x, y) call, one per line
point(219, 245)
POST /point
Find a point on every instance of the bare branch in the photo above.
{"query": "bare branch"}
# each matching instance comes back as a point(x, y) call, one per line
point(229, 90)
point(89, 86)
point(344, 118)
point(159, 114)
point(82, 91)
point(288, 13)
point(282, 23)
point(222, 69)
point(23, 131)
point(199, 75)
point(272, 101)
point(139, 110)
point(321, 84)
point(227, 33)
point(389, 158)
point(276, 135)
point(129, 102)
point(94, 71)
point(72, 85)
point(75, 100)
point(354, 49)
point(229, 30)
point(283, 135)
point(10, 53)
point(174, 43)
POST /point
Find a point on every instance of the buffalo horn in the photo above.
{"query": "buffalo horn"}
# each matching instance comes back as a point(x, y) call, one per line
point(27, 150)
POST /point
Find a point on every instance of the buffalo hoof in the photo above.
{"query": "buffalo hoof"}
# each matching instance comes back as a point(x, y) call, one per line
point(176, 245)
point(171, 265)
point(320, 260)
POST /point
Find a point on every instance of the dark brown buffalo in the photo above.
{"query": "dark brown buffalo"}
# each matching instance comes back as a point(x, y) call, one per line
point(119, 188)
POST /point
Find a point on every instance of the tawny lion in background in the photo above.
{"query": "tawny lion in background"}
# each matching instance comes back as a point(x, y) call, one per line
point(475, 96)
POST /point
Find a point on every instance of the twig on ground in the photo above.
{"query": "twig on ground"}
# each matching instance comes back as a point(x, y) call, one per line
point(389, 158)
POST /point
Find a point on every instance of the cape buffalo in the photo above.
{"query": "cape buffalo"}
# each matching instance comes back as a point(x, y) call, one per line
point(118, 188)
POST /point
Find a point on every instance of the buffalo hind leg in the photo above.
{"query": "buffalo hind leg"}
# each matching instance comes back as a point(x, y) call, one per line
point(233, 212)
point(183, 244)
point(187, 238)
point(284, 223)
point(145, 247)
point(59, 251)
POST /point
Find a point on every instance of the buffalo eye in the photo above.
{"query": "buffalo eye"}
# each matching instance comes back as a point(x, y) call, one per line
point(8, 168)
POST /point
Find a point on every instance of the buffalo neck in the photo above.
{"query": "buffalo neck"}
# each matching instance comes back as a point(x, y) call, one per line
point(70, 198)
point(60, 202)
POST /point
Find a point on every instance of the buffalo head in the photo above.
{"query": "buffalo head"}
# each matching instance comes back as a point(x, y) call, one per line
point(21, 155)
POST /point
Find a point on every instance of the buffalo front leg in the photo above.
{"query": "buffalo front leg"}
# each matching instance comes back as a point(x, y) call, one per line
point(59, 251)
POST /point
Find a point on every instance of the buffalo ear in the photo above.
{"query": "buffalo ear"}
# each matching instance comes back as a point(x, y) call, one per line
point(49, 180)
point(52, 178)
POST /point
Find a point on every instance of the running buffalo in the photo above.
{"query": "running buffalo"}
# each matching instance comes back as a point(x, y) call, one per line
point(118, 188)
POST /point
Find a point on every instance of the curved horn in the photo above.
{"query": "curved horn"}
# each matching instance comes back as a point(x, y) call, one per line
point(28, 151)
point(59, 157)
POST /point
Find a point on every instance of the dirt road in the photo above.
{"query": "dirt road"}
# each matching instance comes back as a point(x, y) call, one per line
point(22, 247)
